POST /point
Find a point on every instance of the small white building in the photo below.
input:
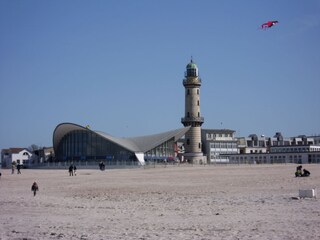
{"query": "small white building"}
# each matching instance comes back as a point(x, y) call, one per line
point(216, 142)
point(15, 155)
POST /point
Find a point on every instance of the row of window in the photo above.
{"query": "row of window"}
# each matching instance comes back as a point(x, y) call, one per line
point(216, 135)
point(223, 145)
point(311, 149)
point(192, 72)
point(257, 143)
point(263, 143)
point(230, 151)
point(274, 157)
point(164, 150)
point(265, 157)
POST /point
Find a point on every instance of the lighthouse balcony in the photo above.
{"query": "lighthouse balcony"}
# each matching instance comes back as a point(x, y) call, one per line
point(192, 81)
point(192, 120)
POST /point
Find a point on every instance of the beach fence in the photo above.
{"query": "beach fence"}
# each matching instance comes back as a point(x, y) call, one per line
point(85, 164)
point(245, 159)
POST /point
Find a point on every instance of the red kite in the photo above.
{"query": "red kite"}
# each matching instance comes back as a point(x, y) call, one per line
point(269, 24)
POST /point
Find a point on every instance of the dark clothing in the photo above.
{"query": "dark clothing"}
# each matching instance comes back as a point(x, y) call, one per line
point(18, 169)
point(306, 173)
point(102, 166)
point(299, 171)
point(34, 188)
point(71, 170)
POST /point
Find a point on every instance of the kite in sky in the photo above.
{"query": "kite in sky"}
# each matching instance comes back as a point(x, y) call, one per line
point(269, 24)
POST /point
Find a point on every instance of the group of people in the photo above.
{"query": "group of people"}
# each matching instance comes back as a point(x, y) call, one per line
point(302, 173)
point(72, 170)
point(18, 168)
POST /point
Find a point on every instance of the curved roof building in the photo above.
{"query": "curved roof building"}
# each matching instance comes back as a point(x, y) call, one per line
point(73, 142)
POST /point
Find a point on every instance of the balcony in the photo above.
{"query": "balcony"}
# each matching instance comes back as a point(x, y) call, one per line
point(192, 120)
point(191, 81)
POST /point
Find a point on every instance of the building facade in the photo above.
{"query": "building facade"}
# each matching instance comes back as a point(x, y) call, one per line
point(218, 142)
point(277, 149)
point(15, 156)
point(75, 143)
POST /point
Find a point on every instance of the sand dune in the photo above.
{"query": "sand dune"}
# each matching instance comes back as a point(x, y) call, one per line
point(199, 202)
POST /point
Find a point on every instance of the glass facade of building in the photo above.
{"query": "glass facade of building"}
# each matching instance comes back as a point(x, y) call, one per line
point(164, 151)
point(81, 145)
point(87, 146)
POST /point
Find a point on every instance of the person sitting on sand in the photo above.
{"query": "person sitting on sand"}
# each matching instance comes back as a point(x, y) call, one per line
point(299, 171)
point(34, 188)
point(306, 173)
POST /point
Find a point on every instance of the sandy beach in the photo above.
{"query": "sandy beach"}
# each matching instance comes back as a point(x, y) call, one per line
point(176, 202)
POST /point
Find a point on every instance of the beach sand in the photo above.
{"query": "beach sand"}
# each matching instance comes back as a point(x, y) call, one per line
point(174, 202)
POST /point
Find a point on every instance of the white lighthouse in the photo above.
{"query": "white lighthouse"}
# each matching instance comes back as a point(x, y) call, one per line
point(192, 83)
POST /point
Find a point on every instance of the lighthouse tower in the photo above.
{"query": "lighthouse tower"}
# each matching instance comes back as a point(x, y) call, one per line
point(192, 117)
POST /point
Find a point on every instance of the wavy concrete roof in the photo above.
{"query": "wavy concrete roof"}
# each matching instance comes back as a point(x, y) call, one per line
point(134, 144)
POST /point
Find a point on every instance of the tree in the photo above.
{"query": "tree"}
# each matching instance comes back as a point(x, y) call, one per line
point(33, 148)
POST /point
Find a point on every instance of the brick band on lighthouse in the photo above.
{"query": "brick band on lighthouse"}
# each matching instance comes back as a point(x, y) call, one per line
point(193, 146)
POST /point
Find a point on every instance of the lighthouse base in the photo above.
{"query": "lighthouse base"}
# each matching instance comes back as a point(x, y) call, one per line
point(195, 158)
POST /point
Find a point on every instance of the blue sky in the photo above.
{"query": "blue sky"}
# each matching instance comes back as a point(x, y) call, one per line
point(118, 66)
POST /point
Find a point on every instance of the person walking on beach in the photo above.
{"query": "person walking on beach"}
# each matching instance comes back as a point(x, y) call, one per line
point(18, 169)
point(75, 170)
point(34, 188)
point(101, 166)
point(71, 170)
point(12, 169)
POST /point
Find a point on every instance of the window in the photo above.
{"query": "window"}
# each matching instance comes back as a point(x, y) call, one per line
point(192, 72)
point(198, 91)
point(188, 141)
